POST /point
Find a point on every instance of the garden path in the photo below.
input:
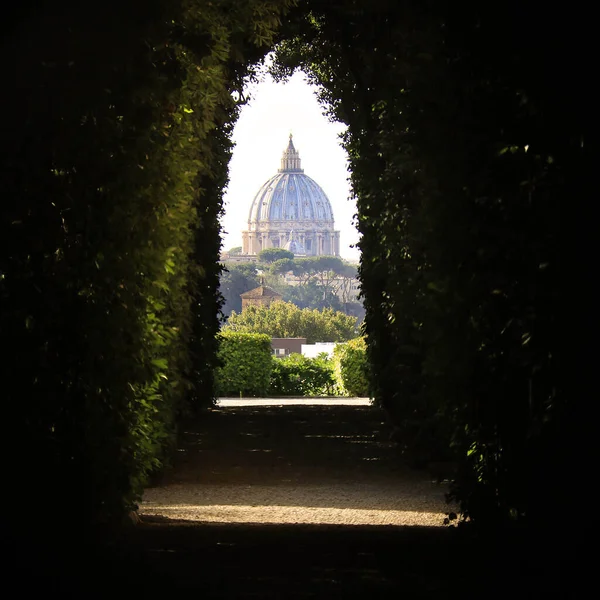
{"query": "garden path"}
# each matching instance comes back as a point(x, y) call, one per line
point(300, 501)
point(294, 461)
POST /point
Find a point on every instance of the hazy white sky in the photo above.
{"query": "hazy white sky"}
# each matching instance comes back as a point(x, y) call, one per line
point(261, 135)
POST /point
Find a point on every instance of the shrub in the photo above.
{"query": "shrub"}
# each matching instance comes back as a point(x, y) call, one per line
point(246, 364)
point(352, 367)
point(298, 375)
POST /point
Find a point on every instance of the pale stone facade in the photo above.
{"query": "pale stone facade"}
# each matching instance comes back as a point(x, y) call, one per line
point(291, 211)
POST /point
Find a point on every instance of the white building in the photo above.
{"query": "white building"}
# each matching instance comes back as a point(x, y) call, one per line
point(313, 350)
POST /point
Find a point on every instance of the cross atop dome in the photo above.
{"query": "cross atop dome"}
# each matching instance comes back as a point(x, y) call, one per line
point(290, 159)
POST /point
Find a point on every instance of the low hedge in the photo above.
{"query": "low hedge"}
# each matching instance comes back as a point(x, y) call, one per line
point(248, 369)
point(298, 375)
point(245, 364)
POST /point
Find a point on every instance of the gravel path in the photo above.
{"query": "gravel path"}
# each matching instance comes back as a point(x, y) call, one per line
point(294, 502)
point(295, 462)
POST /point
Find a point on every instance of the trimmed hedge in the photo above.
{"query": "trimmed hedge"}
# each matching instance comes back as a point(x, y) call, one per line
point(114, 162)
point(352, 367)
point(246, 364)
point(469, 168)
point(298, 375)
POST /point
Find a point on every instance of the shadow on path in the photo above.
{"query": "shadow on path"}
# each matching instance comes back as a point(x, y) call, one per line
point(235, 456)
point(309, 463)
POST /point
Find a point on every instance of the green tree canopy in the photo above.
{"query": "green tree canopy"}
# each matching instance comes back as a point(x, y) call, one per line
point(311, 295)
point(283, 319)
point(321, 267)
point(270, 255)
point(235, 280)
point(324, 282)
point(282, 266)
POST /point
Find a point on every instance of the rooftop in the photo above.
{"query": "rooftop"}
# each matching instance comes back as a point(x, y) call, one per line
point(261, 291)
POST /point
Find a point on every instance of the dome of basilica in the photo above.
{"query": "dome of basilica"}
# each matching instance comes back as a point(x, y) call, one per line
point(291, 210)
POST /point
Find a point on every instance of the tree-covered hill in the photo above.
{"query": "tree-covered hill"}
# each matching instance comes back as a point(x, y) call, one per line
point(308, 282)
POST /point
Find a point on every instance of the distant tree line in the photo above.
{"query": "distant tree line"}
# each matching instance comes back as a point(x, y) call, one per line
point(320, 281)
point(284, 319)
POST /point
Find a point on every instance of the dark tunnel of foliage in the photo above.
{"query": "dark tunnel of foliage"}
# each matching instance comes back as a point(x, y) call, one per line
point(469, 150)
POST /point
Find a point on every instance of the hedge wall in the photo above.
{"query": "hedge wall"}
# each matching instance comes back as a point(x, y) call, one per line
point(113, 161)
point(245, 364)
point(352, 368)
point(468, 160)
point(298, 375)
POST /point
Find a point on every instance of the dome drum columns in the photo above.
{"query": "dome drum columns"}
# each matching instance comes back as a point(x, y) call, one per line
point(315, 243)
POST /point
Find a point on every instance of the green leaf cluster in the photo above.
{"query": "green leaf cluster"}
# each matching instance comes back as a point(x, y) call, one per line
point(324, 282)
point(298, 375)
point(235, 279)
point(270, 255)
point(283, 319)
point(245, 364)
point(352, 368)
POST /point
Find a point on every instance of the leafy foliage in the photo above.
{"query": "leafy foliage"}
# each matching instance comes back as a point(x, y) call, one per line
point(235, 280)
point(352, 368)
point(283, 319)
point(298, 375)
point(323, 282)
point(320, 286)
point(270, 255)
point(462, 152)
point(114, 160)
point(310, 295)
point(469, 157)
point(246, 364)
